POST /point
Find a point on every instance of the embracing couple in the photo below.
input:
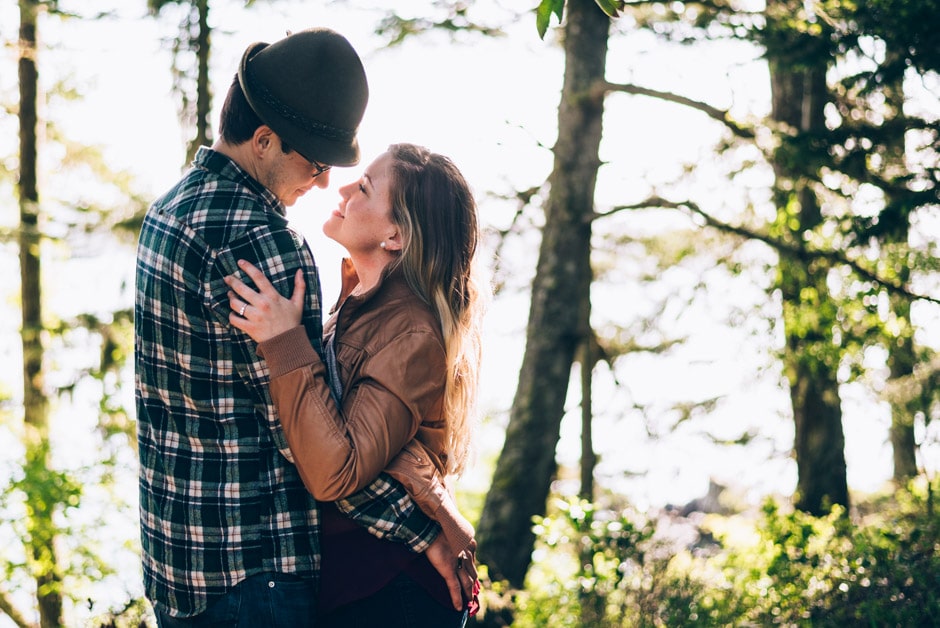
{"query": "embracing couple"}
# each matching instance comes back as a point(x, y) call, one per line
point(293, 473)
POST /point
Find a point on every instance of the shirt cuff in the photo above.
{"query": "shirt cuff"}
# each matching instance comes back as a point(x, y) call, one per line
point(288, 351)
point(425, 531)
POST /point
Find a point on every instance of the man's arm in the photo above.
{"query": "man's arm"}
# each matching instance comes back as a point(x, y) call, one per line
point(276, 251)
point(386, 510)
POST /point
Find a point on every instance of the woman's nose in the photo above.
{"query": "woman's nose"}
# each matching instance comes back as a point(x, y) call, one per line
point(344, 191)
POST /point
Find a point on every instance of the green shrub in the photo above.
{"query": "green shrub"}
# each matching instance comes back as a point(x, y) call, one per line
point(832, 571)
point(602, 569)
point(609, 569)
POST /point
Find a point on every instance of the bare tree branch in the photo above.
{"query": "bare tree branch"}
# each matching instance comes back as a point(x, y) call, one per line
point(7, 608)
point(602, 88)
point(522, 199)
point(785, 248)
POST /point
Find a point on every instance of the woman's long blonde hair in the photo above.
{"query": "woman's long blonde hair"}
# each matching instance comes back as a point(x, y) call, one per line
point(435, 210)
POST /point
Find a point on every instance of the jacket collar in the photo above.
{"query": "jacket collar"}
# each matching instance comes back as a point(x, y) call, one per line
point(393, 273)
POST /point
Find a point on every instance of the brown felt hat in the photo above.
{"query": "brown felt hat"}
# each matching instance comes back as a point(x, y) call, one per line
point(310, 88)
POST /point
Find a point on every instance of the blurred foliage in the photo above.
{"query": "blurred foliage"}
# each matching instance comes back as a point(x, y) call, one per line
point(878, 566)
point(60, 498)
point(137, 613)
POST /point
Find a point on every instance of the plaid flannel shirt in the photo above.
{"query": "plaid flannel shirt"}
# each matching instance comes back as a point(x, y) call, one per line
point(219, 497)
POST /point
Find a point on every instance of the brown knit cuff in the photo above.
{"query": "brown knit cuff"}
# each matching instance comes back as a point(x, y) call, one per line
point(288, 351)
point(458, 532)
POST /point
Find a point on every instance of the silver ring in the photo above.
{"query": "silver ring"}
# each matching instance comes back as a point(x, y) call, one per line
point(241, 312)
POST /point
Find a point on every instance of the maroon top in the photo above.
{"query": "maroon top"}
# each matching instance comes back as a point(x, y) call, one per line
point(355, 564)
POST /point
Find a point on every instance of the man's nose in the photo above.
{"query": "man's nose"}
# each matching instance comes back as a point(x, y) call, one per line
point(322, 180)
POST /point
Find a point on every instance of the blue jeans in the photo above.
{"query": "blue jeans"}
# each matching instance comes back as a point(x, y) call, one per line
point(268, 599)
point(402, 603)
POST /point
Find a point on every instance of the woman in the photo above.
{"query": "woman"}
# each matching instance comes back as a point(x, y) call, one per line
point(397, 386)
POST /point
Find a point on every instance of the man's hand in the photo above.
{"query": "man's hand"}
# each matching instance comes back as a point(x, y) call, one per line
point(458, 570)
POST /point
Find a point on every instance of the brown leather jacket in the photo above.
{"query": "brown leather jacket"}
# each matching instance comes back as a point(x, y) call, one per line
point(390, 352)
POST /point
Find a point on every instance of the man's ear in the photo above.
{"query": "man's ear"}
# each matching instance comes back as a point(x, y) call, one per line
point(263, 140)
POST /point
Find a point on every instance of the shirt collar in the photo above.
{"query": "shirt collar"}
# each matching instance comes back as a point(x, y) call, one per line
point(223, 166)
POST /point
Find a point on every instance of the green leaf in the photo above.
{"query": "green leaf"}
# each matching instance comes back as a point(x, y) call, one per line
point(611, 7)
point(543, 14)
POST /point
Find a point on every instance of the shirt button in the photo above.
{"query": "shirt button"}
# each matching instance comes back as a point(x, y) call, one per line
point(271, 584)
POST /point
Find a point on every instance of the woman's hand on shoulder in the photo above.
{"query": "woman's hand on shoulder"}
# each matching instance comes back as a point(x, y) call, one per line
point(263, 313)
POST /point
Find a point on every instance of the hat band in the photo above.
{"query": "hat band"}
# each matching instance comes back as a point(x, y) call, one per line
point(284, 110)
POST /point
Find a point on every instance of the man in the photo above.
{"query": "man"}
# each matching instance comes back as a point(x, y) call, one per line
point(229, 533)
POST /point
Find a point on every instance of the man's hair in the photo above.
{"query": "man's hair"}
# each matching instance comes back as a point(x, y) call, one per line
point(238, 121)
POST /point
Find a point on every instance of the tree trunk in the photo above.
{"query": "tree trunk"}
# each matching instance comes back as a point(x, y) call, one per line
point(811, 358)
point(902, 353)
point(592, 604)
point(40, 508)
point(588, 456)
point(202, 33)
point(527, 465)
point(901, 360)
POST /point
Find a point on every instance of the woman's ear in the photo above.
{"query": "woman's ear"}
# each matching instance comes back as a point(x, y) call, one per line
point(393, 242)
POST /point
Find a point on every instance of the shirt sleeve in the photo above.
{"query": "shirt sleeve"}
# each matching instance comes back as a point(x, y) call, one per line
point(278, 253)
point(386, 510)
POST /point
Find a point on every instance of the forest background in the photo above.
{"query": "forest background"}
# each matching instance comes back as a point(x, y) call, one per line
point(728, 211)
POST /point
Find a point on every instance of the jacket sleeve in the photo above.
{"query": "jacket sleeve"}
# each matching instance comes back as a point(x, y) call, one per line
point(339, 452)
